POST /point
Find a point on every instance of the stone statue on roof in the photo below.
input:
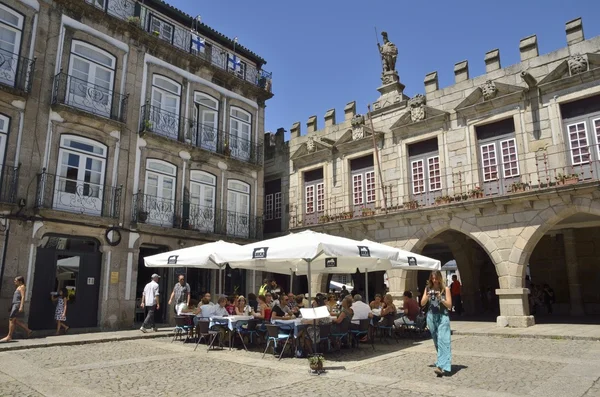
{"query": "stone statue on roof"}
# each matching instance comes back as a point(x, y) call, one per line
point(389, 53)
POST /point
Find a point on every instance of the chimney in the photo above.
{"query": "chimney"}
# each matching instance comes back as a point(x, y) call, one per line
point(350, 110)
point(330, 118)
point(461, 71)
point(295, 130)
point(492, 60)
point(574, 30)
point(431, 82)
point(311, 124)
point(529, 48)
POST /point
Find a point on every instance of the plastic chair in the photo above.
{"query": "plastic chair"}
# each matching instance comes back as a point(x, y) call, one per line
point(181, 327)
point(340, 332)
point(275, 336)
point(362, 330)
point(387, 328)
point(204, 332)
point(324, 333)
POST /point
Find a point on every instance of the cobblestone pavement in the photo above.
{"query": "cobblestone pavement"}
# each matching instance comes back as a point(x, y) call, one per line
point(482, 366)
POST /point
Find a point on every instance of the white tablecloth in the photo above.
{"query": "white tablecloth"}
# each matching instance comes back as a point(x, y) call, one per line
point(229, 320)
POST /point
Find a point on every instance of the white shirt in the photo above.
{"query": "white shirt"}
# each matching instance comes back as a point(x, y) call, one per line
point(361, 311)
point(212, 310)
point(150, 293)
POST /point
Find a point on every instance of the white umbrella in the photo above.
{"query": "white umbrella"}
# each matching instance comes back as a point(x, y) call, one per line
point(199, 256)
point(404, 259)
point(307, 252)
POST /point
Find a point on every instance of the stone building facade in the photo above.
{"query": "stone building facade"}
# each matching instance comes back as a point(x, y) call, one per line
point(499, 172)
point(127, 129)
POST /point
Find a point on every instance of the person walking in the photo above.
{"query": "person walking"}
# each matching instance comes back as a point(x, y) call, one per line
point(181, 294)
point(60, 314)
point(455, 288)
point(439, 298)
point(150, 303)
point(16, 310)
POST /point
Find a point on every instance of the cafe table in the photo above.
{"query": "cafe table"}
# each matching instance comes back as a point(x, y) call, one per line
point(230, 322)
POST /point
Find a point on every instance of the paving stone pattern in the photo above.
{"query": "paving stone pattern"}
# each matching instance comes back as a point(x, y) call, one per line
point(482, 367)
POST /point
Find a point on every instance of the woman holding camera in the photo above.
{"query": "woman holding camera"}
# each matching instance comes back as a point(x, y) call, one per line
point(438, 320)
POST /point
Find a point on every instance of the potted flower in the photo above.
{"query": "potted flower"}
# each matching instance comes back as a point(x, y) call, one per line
point(477, 192)
point(367, 211)
point(142, 216)
point(316, 362)
point(442, 200)
point(411, 205)
point(147, 125)
point(324, 218)
point(518, 187)
point(347, 215)
point(156, 33)
point(226, 149)
point(134, 20)
point(567, 179)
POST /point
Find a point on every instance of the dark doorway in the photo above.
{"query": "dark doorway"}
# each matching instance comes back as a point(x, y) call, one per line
point(144, 277)
point(71, 263)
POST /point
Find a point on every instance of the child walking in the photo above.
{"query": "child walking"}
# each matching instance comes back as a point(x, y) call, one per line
point(60, 315)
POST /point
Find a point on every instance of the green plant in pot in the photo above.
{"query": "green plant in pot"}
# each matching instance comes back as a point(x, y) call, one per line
point(316, 362)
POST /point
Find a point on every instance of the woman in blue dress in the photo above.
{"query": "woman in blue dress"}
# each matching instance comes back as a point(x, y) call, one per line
point(438, 320)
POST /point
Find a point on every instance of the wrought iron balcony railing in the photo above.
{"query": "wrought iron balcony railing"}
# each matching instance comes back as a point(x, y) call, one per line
point(157, 211)
point(89, 97)
point(82, 197)
point(173, 126)
point(16, 71)
point(179, 36)
point(9, 180)
point(526, 174)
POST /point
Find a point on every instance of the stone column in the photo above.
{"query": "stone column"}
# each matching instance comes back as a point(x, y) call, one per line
point(398, 281)
point(573, 273)
point(318, 284)
point(514, 308)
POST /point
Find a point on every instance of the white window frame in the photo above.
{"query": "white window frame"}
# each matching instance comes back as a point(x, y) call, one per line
point(320, 197)
point(496, 163)
point(4, 130)
point(414, 176)
point(206, 179)
point(269, 204)
point(242, 188)
point(583, 150)
point(277, 206)
point(357, 189)
point(309, 198)
point(516, 161)
point(434, 176)
point(597, 134)
point(161, 173)
point(162, 23)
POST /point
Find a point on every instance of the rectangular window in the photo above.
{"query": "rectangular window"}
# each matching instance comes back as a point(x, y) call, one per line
point(597, 128)
point(435, 174)
point(578, 140)
point(161, 28)
point(320, 197)
point(510, 163)
point(370, 182)
point(357, 188)
point(310, 199)
point(489, 162)
point(268, 207)
point(277, 210)
point(418, 177)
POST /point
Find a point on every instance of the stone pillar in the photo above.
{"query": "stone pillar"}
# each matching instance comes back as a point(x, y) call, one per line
point(573, 273)
point(295, 131)
point(492, 60)
point(350, 110)
point(461, 71)
point(318, 284)
point(398, 282)
point(431, 82)
point(514, 308)
point(574, 31)
point(528, 47)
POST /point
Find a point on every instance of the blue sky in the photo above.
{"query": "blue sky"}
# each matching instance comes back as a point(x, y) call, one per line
point(323, 54)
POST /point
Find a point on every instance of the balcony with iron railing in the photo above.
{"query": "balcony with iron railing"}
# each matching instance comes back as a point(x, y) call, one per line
point(173, 126)
point(179, 36)
point(81, 197)
point(16, 72)
point(537, 173)
point(9, 181)
point(88, 97)
point(157, 211)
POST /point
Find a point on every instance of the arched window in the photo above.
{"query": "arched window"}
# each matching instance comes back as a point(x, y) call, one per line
point(202, 200)
point(164, 112)
point(159, 199)
point(79, 185)
point(240, 134)
point(91, 78)
point(11, 30)
point(206, 114)
point(238, 208)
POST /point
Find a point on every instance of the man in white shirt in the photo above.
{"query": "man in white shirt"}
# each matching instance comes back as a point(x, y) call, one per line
point(150, 303)
point(361, 310)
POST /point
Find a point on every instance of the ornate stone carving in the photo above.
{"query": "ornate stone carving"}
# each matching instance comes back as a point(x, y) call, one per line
point(417, 108)
point(358, 130)
point(489, 90)
point(357, 120)
point(389, 53)
point(577, 64)
point(310, 144)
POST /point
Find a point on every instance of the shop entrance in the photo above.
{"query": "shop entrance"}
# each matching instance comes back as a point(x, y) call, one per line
point(71, 263)
point(144, 275)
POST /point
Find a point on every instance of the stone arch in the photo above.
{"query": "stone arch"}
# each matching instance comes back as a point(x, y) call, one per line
point(543, 223)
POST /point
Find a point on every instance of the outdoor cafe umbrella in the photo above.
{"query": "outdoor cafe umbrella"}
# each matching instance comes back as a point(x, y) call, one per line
point(307, 252)
point(199, 256)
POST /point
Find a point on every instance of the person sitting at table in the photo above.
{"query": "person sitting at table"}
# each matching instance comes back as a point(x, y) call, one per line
point(331, 303)
point(377, 303)
point(282, 311)
point(292, 302)
point(411, 310)
point(242, 309)
point(361, 311)
point(230, 306)
point(208, 298)
point(207, 310)
point(264, 311)
point(299, 304)
point(388, 312)
point(253, 301)
point(269, 299)
point(344, 316)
